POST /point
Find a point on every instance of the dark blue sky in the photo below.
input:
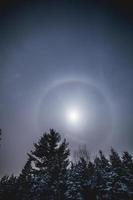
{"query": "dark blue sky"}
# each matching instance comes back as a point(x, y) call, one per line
point(56, 55)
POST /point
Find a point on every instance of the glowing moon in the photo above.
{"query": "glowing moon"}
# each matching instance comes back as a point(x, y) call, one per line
point(77, 109)
point(73, 116)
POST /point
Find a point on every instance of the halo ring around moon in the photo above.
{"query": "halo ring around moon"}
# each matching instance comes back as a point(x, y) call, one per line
point(96, 88)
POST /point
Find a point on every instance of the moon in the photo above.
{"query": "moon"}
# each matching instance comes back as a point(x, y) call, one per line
point(78, 110)
point(73, 116)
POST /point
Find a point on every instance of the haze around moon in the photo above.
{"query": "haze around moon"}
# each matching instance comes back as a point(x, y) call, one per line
point(74, 108)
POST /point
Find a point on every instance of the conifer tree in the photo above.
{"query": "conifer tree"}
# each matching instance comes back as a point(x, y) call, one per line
point(8, 187)
point(74, 182)
point(50, 162)
point(119, 186)
point(115, 161)
point(127, 161)
point(127, 167)
point(87, 181)
point(25, 182)
point(80, 182)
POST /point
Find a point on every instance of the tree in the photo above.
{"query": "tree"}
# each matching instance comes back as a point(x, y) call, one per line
point(82, 153)
point(50, 162)
point(25, 182)
point(127, 166)
point(74, 183)
point(119, 185)
point(127, 161)
point(100, 174)
point(80, 179)
point(49, 175)
point(115, 161)
point(8, 187)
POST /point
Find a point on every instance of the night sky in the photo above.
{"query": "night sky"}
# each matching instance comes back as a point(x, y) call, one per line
point(60, 56)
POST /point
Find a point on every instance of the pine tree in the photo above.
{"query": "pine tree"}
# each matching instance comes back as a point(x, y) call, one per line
point(80, 182)
point(8, 187)
point(101, 176)
point(127, 166)
point(87, 181)
point(50, 162)
point(119, 186)
point(115, 161)
point(127, 161)
point(25, 182)
point(74, 183)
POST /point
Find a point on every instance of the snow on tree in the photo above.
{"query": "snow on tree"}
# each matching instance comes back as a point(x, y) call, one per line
point(8, 187)
point(25, 182)
point(49, 175)
point(50, 162)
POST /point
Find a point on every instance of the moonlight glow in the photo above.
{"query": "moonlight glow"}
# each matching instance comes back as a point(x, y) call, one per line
point(73, 116)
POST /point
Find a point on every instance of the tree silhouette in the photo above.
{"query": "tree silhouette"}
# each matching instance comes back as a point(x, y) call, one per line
point(50, 161)
point(48, 174)
point(25, 182)
point(8, 187)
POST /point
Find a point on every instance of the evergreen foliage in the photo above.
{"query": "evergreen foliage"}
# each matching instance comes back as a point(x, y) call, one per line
point(25, 182)
point(50, 161)
point(8, 187)
point(49, 175)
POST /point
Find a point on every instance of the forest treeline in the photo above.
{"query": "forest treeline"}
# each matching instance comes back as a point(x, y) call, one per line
point(50, 174)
